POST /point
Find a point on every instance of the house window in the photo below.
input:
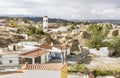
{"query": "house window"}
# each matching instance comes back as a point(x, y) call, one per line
point(0, 62)
point(10, 61)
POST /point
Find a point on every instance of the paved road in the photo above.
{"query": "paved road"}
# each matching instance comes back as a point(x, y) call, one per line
point(79, 57)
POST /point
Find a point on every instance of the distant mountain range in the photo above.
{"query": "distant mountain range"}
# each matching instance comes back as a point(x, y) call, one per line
point(40, 19)
point(104, 21)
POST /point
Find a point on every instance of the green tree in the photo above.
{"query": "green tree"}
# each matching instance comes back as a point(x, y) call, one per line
point(106, 29)
point(115, 43)
point(71, 27)
point(58, 32)
point(14, 24)
point(96, 36)
point(39, 32)
point(30, 32)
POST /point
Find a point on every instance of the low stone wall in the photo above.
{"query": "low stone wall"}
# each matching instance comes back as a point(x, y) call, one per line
point(101, 52)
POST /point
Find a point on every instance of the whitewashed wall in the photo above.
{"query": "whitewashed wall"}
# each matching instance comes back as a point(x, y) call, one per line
point(55, 49)
point(43, 58)
point(40, 74)
point(68, 51)
point(62, 29)
point(102, 52)
point(7, 57)
point(34, 74)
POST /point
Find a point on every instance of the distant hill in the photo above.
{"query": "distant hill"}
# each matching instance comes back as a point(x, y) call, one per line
point(39, 19)
point(55, 20)
point(104, 21)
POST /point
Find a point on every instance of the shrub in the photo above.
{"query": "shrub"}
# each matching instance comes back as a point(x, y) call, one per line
point(30, 32)
point(102, 72)
point(78, 68)
point(14, 24)
point(39, 32)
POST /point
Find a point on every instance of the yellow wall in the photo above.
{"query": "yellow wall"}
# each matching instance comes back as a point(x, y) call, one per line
point(64, 72)
point(20, 71)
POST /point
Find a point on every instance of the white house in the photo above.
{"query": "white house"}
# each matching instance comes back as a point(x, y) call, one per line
point(10, 56)
point(56, 51)
point(9, 59)
point(59, 48)
point(52, 70)
point(35, 56)
point(62, 29)
point(74, 31)
point(22, 47)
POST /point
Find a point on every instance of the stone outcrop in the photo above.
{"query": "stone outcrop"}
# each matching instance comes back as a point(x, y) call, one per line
point(115, 32)
point(85, 34)
point(5, 42)
point(74, 46)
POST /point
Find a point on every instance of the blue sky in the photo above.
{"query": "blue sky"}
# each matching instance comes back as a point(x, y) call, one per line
point(67, 9)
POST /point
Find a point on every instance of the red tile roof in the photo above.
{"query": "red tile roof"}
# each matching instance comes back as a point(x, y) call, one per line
point(60, 47)
point(34, 53)
point(50, 66)
point(52, 26)
point(45, 46)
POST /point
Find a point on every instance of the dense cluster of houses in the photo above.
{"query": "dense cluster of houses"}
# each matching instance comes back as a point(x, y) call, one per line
point(33, 59)
point(32, 52)
point(29, 57)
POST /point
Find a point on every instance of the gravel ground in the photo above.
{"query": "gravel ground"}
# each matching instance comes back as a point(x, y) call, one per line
point(104, 63)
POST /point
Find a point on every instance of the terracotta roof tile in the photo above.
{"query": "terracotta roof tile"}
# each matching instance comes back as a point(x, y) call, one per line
point(50, 66)
point(34, 53)
point(53, 26)
point(45, 46)
point(60, 47)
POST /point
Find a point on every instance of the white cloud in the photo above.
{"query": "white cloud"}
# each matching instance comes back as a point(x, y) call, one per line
point(106, 11)
point(4, 3)
point(70, 9)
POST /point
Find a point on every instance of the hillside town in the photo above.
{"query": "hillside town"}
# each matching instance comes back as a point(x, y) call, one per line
point(45, 49)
